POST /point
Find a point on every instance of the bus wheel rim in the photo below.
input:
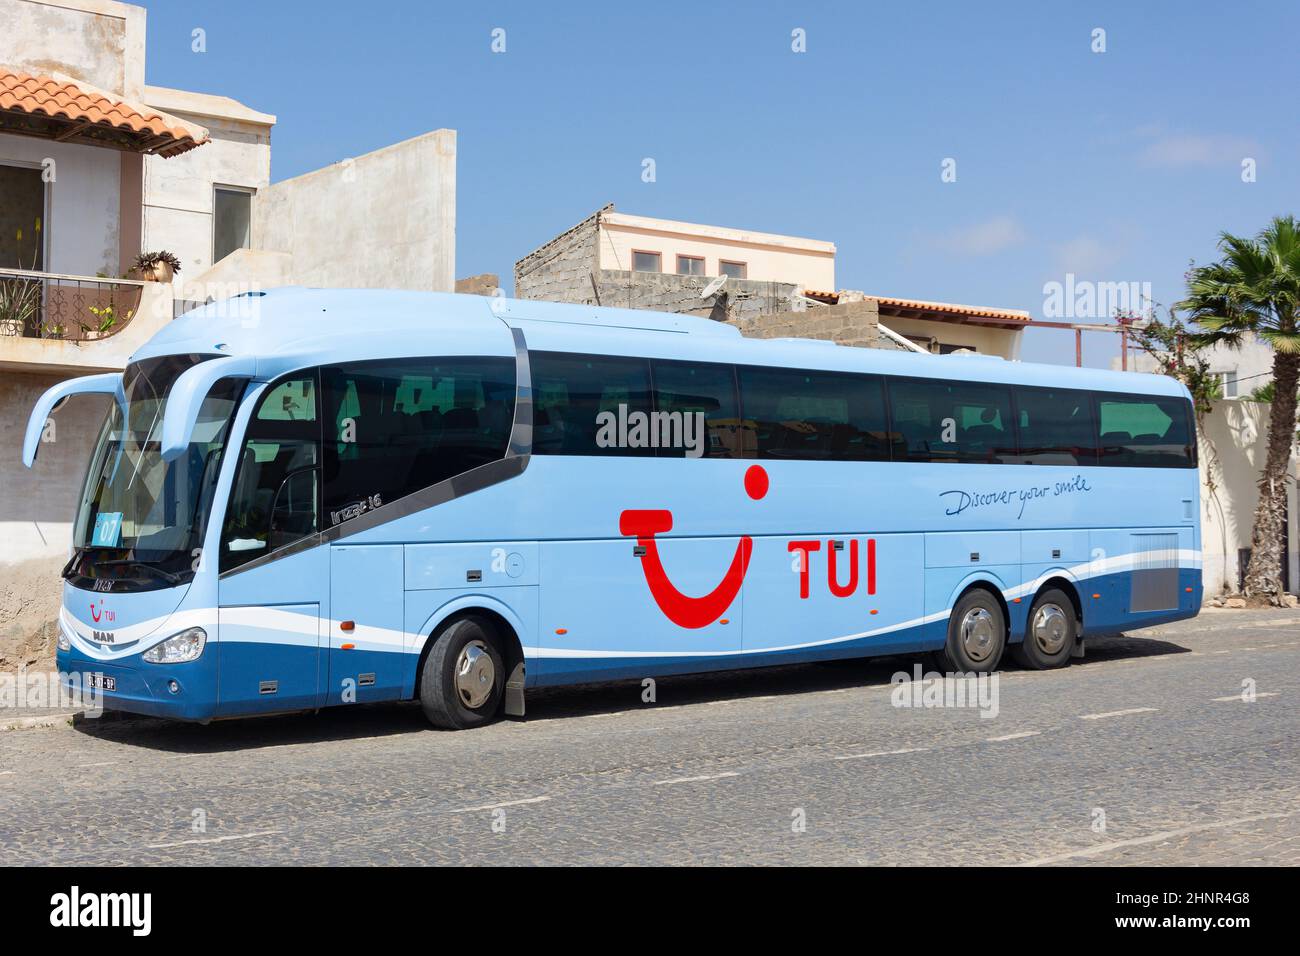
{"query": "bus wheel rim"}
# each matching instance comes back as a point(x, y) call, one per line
point(977, 634)
point(1050, 628)
point(475, 675)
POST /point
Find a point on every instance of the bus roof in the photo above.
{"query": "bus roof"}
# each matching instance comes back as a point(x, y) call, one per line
point(288, 328)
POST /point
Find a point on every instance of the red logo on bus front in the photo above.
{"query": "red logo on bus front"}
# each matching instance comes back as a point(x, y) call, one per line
point(98, 612)
point(696, 612)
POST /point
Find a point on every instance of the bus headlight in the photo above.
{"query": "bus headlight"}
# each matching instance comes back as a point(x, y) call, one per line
point(179, 648)
point(64, 643)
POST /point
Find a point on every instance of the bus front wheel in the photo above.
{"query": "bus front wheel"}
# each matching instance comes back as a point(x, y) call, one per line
point(461, 685)
point(977, 634)
point(1050, 632)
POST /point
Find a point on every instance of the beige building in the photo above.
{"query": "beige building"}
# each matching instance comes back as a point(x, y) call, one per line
point(646, 245)
point(96, 167)
point(766, 284)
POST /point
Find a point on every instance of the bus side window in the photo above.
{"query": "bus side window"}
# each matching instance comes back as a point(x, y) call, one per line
point(953, 421)
point(396, 426)
point(696, 411)
point(815, 416)
point(589, 404)
point(275, 500)
point(1056, 427)
point(1145, 431)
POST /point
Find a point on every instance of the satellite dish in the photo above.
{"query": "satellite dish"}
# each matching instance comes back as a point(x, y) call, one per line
point(713, 287)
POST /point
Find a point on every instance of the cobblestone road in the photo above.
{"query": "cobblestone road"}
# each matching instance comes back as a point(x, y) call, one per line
point(1148, 733)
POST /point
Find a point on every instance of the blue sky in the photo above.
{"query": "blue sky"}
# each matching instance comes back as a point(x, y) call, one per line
point(1115, 166)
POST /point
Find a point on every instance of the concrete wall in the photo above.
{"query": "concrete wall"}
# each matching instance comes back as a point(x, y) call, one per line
point(244, 270)
point(96, 41)
point(1233, 447)
point(383, 220)
point(82, 218)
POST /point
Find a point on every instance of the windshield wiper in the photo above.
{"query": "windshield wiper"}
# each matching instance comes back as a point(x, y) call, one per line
point(165, 575)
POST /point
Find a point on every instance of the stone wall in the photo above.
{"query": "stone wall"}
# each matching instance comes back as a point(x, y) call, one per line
point(739, 299)
point(485, 283)
point(562, 270)
point(849, 323)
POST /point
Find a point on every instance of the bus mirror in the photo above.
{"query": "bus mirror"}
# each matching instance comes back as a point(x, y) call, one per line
point(107, 384)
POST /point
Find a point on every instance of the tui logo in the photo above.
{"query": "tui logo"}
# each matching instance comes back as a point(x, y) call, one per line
point(681, 609)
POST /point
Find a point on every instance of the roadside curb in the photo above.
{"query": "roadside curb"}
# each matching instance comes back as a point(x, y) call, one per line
point(40, 722)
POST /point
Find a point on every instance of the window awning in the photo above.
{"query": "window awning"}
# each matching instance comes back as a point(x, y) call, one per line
point(59, 109)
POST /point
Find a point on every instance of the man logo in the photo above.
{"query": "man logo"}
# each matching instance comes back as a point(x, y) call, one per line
point(103, 637)
point(103, 909)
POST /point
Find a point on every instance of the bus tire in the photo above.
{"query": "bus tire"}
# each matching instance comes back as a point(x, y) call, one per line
point(463, 680)
point(977, 634)
point(1050, 632)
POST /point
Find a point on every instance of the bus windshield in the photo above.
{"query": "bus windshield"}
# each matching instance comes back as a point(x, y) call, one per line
point(141, 520)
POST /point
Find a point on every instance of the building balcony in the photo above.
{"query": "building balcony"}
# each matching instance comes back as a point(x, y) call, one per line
point(55, 322)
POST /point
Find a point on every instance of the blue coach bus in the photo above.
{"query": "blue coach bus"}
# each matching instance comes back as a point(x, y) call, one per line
point(358, 496)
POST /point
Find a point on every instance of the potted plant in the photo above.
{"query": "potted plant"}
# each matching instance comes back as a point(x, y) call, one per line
point(20, 298)
point(105, 321)
point(156, 266)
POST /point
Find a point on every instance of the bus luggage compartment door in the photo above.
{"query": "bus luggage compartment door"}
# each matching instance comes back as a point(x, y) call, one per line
point(366, 628)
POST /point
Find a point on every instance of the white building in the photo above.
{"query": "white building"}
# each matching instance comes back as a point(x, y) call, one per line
point(1233, 447)
point(96, 167)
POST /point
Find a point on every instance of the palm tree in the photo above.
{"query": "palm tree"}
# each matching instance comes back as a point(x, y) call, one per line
point(1255, 288)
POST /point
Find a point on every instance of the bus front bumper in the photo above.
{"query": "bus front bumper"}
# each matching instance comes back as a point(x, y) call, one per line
point(175, 691)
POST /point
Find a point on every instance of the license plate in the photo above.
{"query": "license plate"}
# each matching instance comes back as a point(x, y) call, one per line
point(101, 682)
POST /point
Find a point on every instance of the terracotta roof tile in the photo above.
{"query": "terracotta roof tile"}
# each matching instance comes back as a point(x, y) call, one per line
point(920, 305)
point(1012, 315)
point(57, 99)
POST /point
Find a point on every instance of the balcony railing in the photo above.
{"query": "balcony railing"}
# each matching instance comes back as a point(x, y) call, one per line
point(47, 305)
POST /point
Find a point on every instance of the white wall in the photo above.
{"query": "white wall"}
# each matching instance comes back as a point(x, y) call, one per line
point(98, 41)
point(1234, 445)
point(82, 219)
point(383, 220)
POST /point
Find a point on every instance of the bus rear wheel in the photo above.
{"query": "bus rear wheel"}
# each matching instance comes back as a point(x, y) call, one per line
point(1050, 632)
point(463, 679)
point(977, 635)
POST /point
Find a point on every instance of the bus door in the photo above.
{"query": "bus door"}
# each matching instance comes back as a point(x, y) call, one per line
point(274, 585)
